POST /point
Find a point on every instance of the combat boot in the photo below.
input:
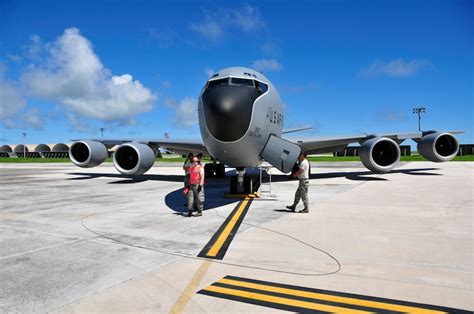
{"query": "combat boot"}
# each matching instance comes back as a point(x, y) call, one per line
point(304, 210)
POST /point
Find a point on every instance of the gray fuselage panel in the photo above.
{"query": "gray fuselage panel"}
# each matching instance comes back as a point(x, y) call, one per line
point(236, 121)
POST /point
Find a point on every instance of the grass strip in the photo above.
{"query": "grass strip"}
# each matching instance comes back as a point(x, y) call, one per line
point(311, 158)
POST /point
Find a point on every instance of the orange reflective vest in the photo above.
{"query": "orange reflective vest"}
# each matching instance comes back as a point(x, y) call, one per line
point(195, 174)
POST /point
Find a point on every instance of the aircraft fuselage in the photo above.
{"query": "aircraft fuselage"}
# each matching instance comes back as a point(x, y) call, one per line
point(238, 110)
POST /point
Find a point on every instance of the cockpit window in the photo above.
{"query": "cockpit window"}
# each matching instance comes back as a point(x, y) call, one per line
point(235, 81)
point(214, 83)
point(262, 87)
point(242, 82)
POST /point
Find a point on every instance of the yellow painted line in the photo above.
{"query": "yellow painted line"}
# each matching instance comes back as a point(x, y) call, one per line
point(331, 298)
point(229, 195)
point(223, 236)
point(192, 286)
point(284, 301)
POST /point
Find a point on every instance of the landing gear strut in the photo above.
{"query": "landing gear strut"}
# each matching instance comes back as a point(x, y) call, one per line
point(242, 183)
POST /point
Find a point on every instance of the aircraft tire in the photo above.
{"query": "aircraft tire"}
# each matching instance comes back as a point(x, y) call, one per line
point(233, 185)
point(220, 170)
point(209, 170)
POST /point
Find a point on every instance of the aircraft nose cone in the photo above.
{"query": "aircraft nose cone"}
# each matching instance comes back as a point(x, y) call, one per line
point(228, 111)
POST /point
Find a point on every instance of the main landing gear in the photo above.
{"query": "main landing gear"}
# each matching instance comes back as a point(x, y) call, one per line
point(241, 183)
point(214, 170)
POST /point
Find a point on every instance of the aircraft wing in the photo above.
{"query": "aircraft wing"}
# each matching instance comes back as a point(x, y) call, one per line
point(329, 144)
point(180, 146)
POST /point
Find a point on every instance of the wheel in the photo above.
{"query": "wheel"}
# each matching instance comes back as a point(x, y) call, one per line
point(220, 170)
point(247, 184)
point(233, 185)
point(209, 170)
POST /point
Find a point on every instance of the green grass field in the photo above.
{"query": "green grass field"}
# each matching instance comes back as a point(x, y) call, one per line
point(312, 158)
point(403, 158)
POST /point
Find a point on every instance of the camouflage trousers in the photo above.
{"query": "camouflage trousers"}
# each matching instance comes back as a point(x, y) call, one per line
point(195, 197)
point(302, 193)
point(186, 179)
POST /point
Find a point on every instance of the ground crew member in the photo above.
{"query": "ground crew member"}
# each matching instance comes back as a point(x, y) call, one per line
point(196, 182)
point(201, 194)
point(303, 177)
point(186, 165)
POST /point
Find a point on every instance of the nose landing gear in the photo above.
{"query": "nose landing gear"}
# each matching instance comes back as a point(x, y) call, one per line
point(242, 183)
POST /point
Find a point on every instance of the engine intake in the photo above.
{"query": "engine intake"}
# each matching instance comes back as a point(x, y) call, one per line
point(133, 158)
point(380, 154)
point(87, 154)
point(438, 147)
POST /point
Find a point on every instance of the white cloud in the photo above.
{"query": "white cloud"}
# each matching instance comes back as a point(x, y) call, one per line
point(165, 38)
point(266, 64)
point(248, 18)
point(217, 23)
point(11, 100)
point(170, 102)
point(78, 125)
point(209, 29)
point(391, 115)
point(12, 104)
point(272, 49)
point(209, 72)
point(165, 84)
point(186, 112)
point(14, 58)
point(72, 74)
point(35, 48)
point(396, 68)
point(32, 119)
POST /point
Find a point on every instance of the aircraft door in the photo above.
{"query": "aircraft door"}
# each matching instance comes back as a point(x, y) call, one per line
point(280, 153)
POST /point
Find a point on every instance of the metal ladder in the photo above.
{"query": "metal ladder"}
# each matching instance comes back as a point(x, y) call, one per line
point(266, 185)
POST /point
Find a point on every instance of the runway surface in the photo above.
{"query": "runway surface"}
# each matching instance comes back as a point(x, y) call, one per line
point(90, 240)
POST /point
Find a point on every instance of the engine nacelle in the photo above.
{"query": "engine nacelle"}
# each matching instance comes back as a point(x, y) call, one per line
point(438, 147)
point(87, 154)
point(133, 158)
point(380, 154)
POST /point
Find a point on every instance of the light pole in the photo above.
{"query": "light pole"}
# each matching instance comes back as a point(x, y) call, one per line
point(419, 111)
point(102, 132)
point(24, 144)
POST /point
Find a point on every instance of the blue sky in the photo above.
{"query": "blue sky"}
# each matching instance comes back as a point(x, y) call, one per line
point(136, 68)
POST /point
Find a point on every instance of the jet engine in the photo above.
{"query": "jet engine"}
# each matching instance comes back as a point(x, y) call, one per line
point(380, 154)
point(87, 154)
point(438, 147)
point(133, 158)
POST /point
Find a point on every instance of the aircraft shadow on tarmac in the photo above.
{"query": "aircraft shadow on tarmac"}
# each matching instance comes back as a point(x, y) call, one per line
point(355, 176)
point(127, 179)
point(214, 191)
point(175, 200)
point(215, 188)
point(361, 175)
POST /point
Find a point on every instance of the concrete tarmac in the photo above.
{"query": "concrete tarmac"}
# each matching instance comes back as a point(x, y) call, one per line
point(90, 240)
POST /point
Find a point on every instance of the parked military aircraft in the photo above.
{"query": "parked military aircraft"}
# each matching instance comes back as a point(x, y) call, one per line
point(241, 122)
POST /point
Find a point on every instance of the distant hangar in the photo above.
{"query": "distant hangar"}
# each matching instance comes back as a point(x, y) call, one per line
point(59, 150)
